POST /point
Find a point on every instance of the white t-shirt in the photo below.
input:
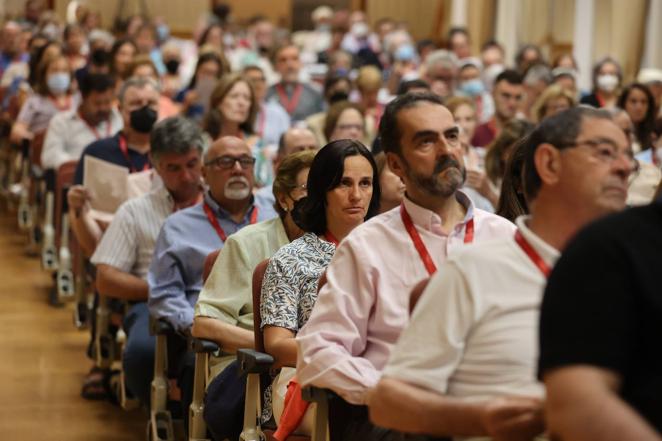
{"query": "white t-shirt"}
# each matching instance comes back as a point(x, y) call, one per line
point(474, 331)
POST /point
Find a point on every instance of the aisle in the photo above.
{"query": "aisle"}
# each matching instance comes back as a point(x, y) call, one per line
point(43, 362)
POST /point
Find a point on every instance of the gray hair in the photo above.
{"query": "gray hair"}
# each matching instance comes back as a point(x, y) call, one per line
point(138, 83)
point(538, 73)
point(441, 56)
point(176, 135)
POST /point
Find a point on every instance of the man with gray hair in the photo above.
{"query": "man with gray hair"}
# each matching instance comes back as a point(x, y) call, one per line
point(125, 251)
point(139, 106)
point(441, 72)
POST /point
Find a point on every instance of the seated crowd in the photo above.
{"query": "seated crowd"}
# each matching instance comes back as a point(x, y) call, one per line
point(452, 247)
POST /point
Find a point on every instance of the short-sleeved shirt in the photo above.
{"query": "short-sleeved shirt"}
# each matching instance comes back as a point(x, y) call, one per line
point(38, 110)
point(128, 243)
point(227, 293)
point(603, 306)
point(109, 150)
point(289, 289)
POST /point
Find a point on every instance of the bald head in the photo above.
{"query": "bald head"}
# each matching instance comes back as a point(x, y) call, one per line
point(227, 145)
point(296, 140)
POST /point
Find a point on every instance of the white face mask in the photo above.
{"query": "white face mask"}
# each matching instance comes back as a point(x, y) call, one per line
point(607, 82)
point(237, 192)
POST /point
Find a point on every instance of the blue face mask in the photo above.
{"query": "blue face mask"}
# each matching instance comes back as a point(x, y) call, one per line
point(472, 88)
point(58, 83)
point(162, 32)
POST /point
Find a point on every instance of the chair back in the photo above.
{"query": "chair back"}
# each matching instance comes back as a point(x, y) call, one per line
point(209, 264)
point(258, 277)
point(63, 180)
point(36, 148)
point(416, 293)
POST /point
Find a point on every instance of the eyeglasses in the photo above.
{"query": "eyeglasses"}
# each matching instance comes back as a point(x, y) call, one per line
point(606, 151)
point(350, 127)
point(227, 162)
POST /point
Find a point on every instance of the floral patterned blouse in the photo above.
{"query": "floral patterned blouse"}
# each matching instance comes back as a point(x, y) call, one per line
point(289, 288)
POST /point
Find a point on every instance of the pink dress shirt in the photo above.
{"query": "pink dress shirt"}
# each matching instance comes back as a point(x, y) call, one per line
point(363, 308)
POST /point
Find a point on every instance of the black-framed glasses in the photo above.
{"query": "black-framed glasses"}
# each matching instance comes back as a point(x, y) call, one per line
point(606, 151)
point(227, 162)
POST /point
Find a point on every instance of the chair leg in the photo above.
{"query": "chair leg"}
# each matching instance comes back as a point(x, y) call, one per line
point(321, 428)
point(252, 431)
point(104, 347)
point(197, 425)
point(160, 418)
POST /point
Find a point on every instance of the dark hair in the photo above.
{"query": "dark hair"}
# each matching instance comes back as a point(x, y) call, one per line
point(203, 37)
point(510, 76)
point(519, 57)
point(36, 59)
point(513, 131)
point(406, 86)
point(335, 112)
point(490, 44)
point(325, 174)
point(279, 48)
point(332, 79)
point(93, 82)
point(457, 30)
point(389, 131)
point(598, 65)
point(175, 135)
point(115, 49)
point(512, 203)
point(560, 130)
point(286, 176)
point(644, 128)
point(223, 66)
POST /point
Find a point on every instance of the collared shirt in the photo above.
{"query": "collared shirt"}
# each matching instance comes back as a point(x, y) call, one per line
point(175, 274)
point(310, 101)
point(364, 306)
point(271, 122)
point(474, 332)
point(128, 243)
point(227, 293)
point(68, 135)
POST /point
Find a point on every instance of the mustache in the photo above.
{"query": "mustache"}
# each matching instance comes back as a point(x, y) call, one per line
point(236, 179)
point(445, 162)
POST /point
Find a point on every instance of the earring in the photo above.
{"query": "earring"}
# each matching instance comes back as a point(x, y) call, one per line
point(285, 209)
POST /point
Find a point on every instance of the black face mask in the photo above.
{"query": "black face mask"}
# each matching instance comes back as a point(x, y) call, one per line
point(340, 95)
point(172, 66)
point(142, 120)
point(99, 57)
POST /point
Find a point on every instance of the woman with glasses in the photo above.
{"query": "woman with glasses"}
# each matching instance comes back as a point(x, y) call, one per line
point(343, 191)
point(345, 120)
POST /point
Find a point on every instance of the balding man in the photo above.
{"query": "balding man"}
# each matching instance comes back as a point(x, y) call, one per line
point(188, 236)
point(292, 141)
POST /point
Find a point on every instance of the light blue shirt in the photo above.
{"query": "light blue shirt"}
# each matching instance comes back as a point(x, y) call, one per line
point(185, 240)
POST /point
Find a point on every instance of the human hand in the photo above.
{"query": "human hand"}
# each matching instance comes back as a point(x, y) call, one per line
point(77, 196)
point(513, 418)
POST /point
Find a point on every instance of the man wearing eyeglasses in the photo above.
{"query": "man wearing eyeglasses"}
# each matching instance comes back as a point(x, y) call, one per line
point(471, 346)
point(188, 236)
point(508, 93)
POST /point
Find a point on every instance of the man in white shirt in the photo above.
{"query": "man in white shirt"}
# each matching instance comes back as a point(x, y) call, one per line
point(70, 132)
point(471, 346)
point(364, 306)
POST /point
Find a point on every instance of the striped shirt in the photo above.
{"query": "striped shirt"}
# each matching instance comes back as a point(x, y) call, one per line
point(128, 243)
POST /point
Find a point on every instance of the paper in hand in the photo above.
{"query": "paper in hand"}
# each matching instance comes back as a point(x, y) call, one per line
point(106, 184)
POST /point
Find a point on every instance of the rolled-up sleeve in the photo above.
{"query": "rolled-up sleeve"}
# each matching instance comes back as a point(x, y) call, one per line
point(334, 338)
point(167, 288)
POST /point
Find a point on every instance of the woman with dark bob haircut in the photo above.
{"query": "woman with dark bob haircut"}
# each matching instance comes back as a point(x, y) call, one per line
point(343, 191)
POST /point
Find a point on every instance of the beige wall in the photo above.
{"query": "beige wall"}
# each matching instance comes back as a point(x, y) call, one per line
point(420, 15)
point(183, 15)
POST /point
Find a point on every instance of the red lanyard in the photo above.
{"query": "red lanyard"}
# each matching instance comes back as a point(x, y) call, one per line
point(214, 222)
point(378, 115)
point(290, 105)
point(329, 237)
point(94, 129)
point(420, 246)
point(261, 120)
point(124, 148)
point(532, 254)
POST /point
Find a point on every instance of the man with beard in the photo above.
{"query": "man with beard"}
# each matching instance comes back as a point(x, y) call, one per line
point(364, 306)
point(188, 236)
point(299, 100)
point(472, 340)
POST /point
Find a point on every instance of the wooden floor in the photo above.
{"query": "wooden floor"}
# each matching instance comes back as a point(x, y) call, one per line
point(43, 362)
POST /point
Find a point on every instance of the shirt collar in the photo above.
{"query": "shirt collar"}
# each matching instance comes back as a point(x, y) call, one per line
point(430, 220)
point(222, 212)
point(547, 252)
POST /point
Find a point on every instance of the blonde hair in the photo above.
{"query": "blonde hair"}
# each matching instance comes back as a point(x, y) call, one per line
point(539, 108)
point(369, 79)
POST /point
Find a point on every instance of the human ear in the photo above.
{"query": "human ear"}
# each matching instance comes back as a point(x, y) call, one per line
point(547, 160)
